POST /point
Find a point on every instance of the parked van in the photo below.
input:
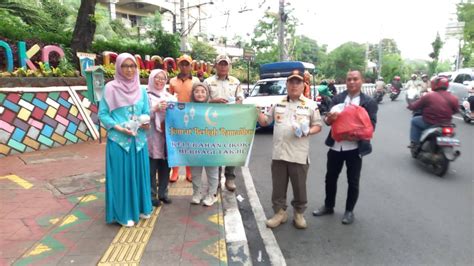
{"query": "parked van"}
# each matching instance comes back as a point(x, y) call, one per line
point(271, 88)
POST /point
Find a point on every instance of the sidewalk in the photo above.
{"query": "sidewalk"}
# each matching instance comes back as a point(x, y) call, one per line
point(52, 213)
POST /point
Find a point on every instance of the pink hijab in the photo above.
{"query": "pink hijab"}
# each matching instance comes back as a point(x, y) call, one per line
point(121, 91)
point(156, 94)
point(151, 81)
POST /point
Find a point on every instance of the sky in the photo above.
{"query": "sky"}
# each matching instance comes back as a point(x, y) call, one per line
point(413, 24)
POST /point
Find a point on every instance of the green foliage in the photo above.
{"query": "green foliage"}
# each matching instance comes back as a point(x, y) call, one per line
point(348, 56)
point(122, 46)
point(165, 44)
point(308, 50)
point(202, 51)
point(389, 46)
point(465, 13)
point(392, 66)
point(437, 44)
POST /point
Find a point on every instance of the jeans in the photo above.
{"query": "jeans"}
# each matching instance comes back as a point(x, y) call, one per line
point(417, 127)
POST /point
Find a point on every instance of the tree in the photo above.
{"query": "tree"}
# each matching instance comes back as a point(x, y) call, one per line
point(265, 39)
point(389, 46)
point(392, 66)
point(465, 12)
point(28, 12)
point(307, 50)
point(437, 45)
point(202, 51)
point(84, 30)
point(348, 56)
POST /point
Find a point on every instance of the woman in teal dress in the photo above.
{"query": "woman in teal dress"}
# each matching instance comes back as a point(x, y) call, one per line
point(127, 182)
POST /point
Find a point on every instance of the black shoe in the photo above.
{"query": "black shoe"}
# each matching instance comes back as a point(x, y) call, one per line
point(323, 211)
point(156, 202)
point(166, 200)
point(348, 217)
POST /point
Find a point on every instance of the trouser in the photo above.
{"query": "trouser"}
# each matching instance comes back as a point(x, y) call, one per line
point(334, 165)
point(282, 172)
point(212, 178)
point(229, 172)
point(417, 127)
point(160, 166)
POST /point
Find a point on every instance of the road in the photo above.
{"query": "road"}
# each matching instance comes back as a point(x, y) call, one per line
point(405, 214)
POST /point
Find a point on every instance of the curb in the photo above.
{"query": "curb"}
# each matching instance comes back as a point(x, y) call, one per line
point(271, 245)
point(238, 252)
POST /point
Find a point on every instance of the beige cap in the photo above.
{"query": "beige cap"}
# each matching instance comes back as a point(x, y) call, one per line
point(223, 57)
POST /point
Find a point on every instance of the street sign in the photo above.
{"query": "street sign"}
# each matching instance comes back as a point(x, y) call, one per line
point(249, 54)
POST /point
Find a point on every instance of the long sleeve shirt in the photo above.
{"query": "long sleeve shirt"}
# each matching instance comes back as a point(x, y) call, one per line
point(437, 107)
point(121, 116)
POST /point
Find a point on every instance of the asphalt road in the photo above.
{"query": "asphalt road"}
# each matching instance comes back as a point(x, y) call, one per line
point(405, 214)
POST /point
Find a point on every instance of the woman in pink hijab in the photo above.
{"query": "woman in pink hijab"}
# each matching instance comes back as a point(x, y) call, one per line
point(158, 97)
point(124, 111)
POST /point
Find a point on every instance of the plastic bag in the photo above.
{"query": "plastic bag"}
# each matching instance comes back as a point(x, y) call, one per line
point(353, 123)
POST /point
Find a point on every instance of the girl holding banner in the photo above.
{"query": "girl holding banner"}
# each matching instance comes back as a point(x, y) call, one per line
point(158, 97)
point(124, 111)
point(200, 94)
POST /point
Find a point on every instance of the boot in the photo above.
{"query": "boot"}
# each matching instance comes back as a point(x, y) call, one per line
point(299, 221)
point(174, 175)
point(280, 217)
point(189, 176)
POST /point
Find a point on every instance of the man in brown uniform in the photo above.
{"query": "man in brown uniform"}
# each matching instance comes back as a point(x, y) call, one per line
point(296, 117)
point(181, 85)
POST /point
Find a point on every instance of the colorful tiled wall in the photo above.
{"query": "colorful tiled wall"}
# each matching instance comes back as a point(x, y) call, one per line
point(32, 121)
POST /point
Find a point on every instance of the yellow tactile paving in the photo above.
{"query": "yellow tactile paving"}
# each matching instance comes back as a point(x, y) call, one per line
point(18, 180)
point(129, 244)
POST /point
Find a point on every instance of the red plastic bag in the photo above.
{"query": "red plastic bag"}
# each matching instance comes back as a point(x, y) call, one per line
point(353, 123)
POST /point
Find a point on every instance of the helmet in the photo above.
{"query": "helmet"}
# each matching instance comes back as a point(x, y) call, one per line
point(414, 76)
point(440, 82)
point(396, 78)
point(324, 82)
point(424, 76)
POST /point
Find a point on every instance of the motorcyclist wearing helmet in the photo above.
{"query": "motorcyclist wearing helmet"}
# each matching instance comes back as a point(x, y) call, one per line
point(397, 84)
point(425, 85)
point(412, 83)
point(332, 87)
point(437, 109)
point(380, 84)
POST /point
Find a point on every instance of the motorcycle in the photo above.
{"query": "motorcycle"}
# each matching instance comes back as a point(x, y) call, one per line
point(465, 110)
point(394, 92)
point(323, 103)
point(437, 148)
point(412, 94)
point(378, 96)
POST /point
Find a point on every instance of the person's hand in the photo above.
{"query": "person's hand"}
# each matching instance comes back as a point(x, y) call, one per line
point(218, 100)
point(125, 131)
point(161, 106)
point(331, 117)
point(145, 126)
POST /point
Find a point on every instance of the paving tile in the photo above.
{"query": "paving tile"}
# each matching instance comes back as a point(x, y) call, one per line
point(90, 246)
point(165, 243)
point(79, 260)
point(14, 249)
point(101, 231)
point(160, 259)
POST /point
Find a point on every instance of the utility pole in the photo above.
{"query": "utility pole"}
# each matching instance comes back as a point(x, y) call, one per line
point(281, 30)
point(379, 74)
point(183, 26)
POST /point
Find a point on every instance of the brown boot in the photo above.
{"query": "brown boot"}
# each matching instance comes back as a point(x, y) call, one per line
point(280, 217)
point(230, 185)
point(299, 221)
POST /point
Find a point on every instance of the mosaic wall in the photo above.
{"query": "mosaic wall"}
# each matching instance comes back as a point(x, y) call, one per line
point(32, 121)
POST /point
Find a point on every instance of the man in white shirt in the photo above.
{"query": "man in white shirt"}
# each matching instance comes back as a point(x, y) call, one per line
point(349, 152)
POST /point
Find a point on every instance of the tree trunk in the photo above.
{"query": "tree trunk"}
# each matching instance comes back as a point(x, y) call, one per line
point(84, 30)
